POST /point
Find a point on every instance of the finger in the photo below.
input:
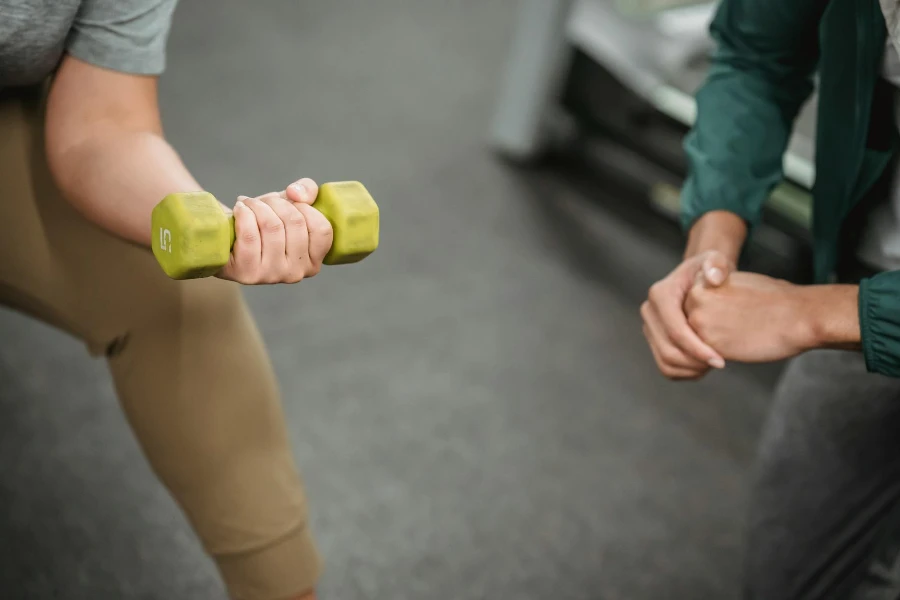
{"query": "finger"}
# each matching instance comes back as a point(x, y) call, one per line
point(667, 349)
point(243, 265)
point(716, 268)
point(303, 191)
point(266, 197)
point(692, 300)
point(669, 371)
point(296, 238)
point(669, 353)
point(321, 235)
point(272, 230)
point(671, 316)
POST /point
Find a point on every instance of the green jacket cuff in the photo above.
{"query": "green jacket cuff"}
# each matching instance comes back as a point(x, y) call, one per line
point(879, 322)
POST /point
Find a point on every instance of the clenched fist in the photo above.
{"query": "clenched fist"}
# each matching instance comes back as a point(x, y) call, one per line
point(278, 237)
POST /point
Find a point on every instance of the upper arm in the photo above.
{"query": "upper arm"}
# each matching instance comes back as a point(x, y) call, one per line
point(107, 79)
point(86, 100)
point(775, 40)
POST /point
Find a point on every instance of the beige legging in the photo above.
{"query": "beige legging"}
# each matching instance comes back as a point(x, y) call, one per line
point(187, 360)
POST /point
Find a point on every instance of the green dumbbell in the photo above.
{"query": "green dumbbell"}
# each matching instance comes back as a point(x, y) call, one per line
point(192, 236)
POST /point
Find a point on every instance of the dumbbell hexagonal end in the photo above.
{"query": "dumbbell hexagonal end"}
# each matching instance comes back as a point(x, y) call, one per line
point(354, 217)
point(191, 235)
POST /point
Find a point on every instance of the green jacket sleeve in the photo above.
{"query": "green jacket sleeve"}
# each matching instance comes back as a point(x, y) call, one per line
point(760, 76)
point(879, 322)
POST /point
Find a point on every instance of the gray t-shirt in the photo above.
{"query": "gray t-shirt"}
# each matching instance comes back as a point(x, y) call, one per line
point(121, 35)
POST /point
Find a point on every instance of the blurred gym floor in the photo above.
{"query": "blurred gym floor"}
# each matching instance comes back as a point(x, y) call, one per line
point(474, 408)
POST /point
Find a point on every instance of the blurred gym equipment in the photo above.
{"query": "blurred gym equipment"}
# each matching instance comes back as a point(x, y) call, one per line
point(614, 82)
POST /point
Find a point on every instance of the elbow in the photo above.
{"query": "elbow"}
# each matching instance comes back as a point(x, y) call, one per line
point(61, 155)
point(67, 145)
point(79, 138)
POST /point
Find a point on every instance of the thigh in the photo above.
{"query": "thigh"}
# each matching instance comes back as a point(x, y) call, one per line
point(56, 265)
point(827, 481)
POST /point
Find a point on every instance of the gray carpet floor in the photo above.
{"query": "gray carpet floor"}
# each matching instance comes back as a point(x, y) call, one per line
point(473, 407)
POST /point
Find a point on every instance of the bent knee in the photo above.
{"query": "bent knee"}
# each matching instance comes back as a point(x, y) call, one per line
point(176, 310)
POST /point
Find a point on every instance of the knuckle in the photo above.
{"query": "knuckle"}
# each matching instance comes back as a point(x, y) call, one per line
point(679, 337)
point(696, 320)
point(246, 278)
point(272, 226)
point(270, 276)
point(249, 276)
point(669, 355)
point(645, 310)
point(323, 230)
point(249, 237)
point(660, 292)
point(293, 273)
point(296, 218)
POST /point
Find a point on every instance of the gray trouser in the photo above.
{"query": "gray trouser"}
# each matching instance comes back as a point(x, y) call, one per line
point(824, 521)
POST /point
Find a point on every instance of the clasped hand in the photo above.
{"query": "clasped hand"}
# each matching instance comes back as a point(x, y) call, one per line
point(705, 313)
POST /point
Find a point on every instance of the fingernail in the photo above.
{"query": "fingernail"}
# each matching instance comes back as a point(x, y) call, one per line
point(714, 275)
point(717, 363)
point(239, 206)
point(300, 189)
point(242, 198)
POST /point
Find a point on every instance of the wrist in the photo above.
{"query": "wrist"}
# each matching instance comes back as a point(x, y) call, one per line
point(722, 231)
point(830, 316)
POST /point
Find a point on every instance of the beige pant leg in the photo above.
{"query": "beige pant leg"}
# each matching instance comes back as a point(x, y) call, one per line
point(188, 363)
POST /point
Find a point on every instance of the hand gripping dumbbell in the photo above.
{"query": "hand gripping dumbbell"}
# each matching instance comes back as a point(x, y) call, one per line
point(192, 236)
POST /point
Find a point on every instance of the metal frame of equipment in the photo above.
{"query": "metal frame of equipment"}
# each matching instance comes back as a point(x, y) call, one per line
point(626, 70)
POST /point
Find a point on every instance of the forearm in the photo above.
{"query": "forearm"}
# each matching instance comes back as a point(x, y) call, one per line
point(115, 177)
point(717, 230)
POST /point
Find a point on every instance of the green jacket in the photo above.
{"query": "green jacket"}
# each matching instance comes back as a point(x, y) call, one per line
point(768, 53)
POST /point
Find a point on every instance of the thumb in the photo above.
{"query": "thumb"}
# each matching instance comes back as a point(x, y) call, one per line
point(716, 268)
point(303, 191)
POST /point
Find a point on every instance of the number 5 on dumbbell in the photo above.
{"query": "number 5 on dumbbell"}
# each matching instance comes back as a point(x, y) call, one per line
point(192, 236)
